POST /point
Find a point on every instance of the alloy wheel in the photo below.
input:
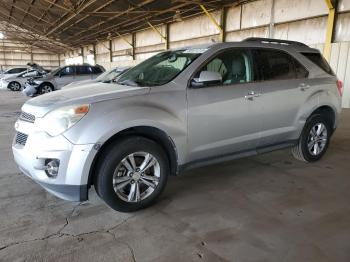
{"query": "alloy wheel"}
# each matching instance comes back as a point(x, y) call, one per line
point(317, 139)
point(46, 89)
point(136, 177)
point(15, 86)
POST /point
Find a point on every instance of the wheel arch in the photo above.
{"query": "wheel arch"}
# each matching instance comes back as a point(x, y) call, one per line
point(46, 83)
point(328, 112)
point(152, 133)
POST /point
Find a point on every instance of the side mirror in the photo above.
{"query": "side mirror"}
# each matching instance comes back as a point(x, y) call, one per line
point(207, 78)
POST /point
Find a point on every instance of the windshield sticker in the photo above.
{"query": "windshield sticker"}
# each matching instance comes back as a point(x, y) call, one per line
point(195, 51)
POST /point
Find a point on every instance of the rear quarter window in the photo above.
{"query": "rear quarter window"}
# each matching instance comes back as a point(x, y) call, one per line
point(319, 60)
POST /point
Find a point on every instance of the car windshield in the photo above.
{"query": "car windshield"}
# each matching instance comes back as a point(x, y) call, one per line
point(108, 76)
point(160, 69)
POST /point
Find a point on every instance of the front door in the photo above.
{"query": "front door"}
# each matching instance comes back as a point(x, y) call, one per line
point(65, 76)
point(225, 118)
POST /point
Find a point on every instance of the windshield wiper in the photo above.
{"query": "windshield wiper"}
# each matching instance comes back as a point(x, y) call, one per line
point(128, 82)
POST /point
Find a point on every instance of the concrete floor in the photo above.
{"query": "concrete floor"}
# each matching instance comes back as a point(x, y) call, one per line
point(264, 208)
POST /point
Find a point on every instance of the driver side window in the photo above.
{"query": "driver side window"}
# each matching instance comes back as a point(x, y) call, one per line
point(235, 66)
point(67, 71)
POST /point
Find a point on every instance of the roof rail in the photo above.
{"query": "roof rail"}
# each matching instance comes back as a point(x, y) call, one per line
point(273, 41)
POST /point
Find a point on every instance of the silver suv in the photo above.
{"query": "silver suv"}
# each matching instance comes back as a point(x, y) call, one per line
point(61, 77)
point(179, 109)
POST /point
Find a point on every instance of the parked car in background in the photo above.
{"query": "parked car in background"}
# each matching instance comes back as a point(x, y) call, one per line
point(179, 109)
point(60, 77)
point(15, 82)
point(12, 71)
point(106, 77)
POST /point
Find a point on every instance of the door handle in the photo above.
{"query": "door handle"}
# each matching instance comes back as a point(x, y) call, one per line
point(304, 87)
point(251, 95)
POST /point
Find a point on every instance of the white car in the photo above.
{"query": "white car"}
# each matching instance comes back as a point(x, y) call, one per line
point(13, 71)
point(15, 82)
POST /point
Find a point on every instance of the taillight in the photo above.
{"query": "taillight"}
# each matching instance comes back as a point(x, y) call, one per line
point(340, 87)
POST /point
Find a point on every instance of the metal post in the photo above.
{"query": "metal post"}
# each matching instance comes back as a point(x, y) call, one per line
point(272, 20)
point(133, 37)
point(110, 51)
point(82, 53)
point(223, 24)
point(330, 26)
point(167, 36)
point(94, 51)
point(159, 33)
point(214, 22)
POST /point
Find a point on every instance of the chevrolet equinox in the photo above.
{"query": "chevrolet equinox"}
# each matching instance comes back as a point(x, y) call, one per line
point(179, 109)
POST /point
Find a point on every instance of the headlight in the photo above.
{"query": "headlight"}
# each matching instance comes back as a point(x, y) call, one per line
point(61, 119)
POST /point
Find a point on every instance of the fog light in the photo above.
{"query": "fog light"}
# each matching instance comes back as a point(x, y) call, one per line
point(51, 168)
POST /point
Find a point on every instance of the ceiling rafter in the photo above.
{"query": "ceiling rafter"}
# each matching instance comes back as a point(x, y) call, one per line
point(62, 25)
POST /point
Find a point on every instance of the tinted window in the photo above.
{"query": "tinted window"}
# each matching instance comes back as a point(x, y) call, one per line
point(67, 71)
point(16, 70)
point(96, 70)
point(274, 65)
point(300, 70)
point(318, 60)
point(235, 66)
point(84, 70)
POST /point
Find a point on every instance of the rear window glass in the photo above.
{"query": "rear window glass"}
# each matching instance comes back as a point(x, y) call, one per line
point(96, 70)
point(318, 59)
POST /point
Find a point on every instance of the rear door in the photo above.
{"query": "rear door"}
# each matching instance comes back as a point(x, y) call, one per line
point(285, 88)
point(96, 71)
point(223, 118)
point(83, 73)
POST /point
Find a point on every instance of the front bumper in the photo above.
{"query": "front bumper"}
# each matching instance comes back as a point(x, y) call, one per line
point(29, 90)
point(3, 84)
point(75, 160)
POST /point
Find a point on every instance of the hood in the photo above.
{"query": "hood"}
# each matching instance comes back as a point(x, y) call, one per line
point(87, 94)
point(80, 83)
point(44, 78)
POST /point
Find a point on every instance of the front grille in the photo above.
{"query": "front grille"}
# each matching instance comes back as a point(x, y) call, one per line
point(21, 138)
point(27, 117)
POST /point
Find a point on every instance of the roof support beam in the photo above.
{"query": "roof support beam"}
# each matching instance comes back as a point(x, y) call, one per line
point(330, 27)
point(70, 17)
point(145, 2)
point(165, 38)
point(212, 19)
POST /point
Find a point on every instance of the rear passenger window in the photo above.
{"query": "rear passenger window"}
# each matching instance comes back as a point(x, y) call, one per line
point(300, 70)
point(274, 65)
point(319, 60)
point(96, 70)
point(84, 70)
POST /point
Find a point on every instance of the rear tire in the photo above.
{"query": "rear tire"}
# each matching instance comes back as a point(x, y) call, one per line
point(126, 179)
point(314, 139)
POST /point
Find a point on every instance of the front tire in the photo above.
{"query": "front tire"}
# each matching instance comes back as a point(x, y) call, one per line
point(314, 139)
point(45, 88)
point(131, 174)
point(14, 86)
